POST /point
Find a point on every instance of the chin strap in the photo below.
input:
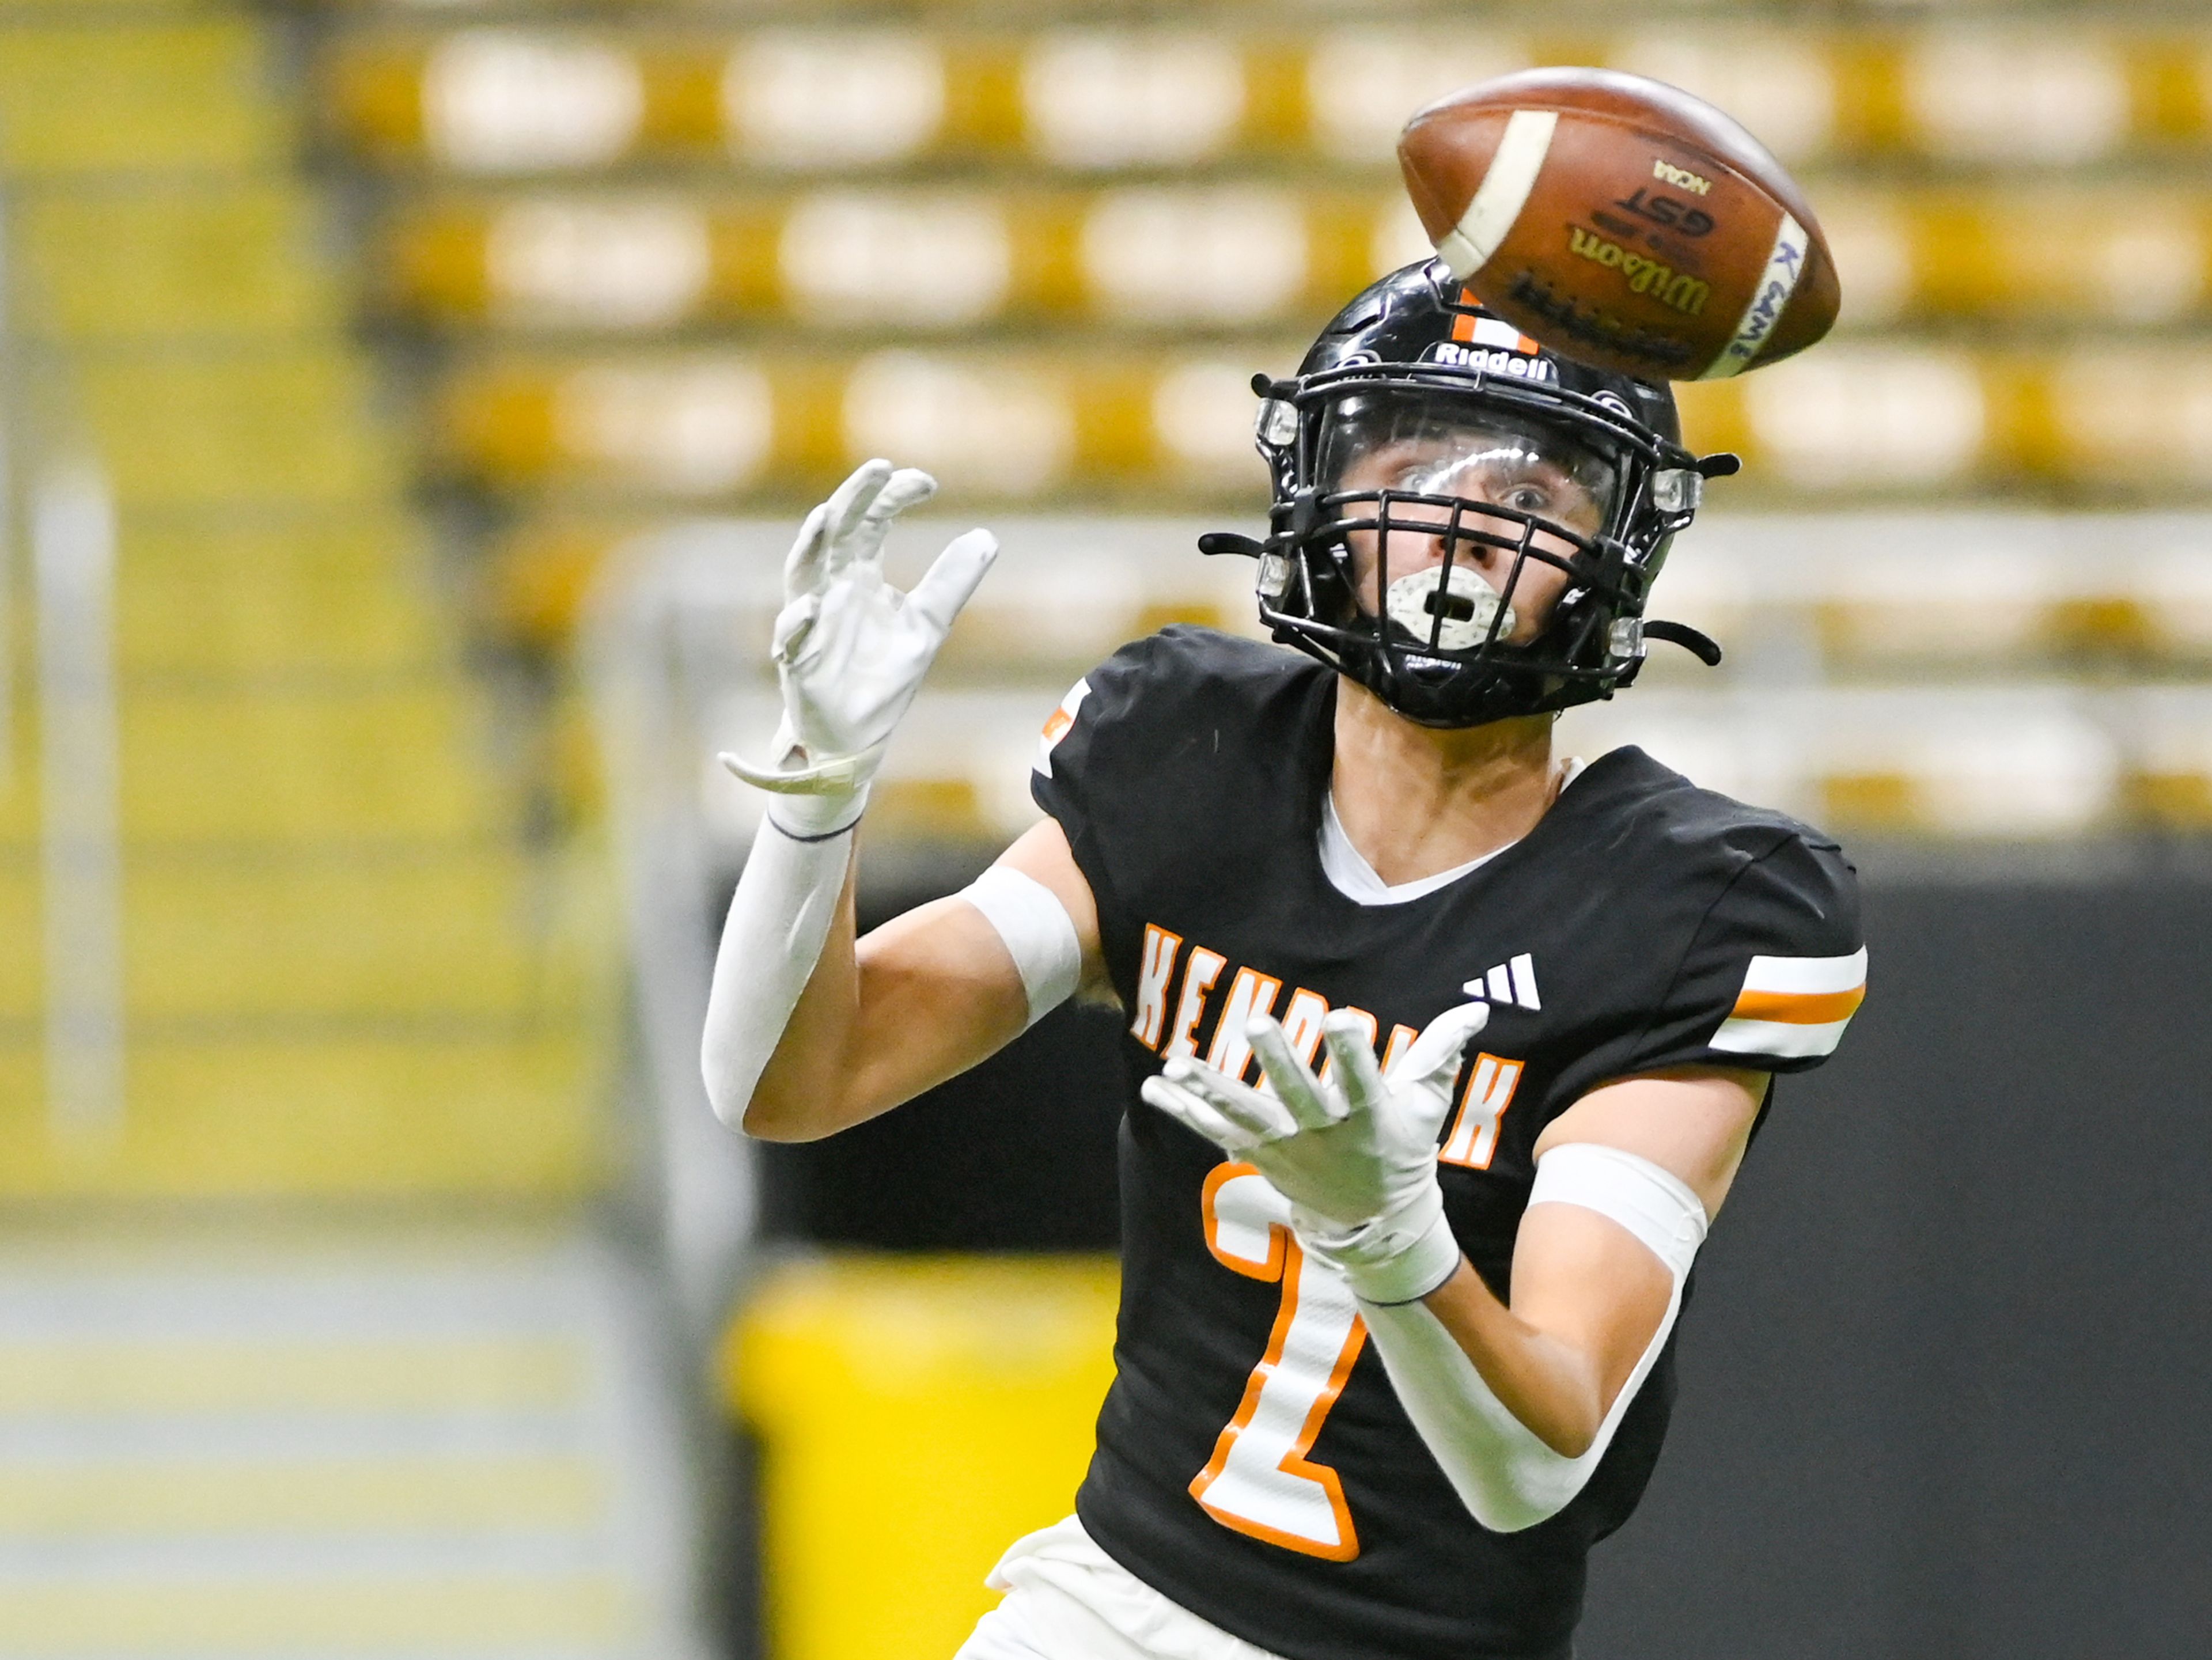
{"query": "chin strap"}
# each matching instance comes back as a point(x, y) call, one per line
point(1699, 644)
point(1216, 543)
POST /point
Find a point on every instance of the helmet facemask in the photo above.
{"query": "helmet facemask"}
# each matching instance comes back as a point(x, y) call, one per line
point(1456, 553)
point(1465, 521)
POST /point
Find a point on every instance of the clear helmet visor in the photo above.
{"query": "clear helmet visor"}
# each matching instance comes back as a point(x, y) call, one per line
point(1425, 554)
point(1443, 445)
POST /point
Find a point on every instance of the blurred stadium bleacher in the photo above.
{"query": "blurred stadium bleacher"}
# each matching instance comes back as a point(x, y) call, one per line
point(1041, 254)
point(331, 919)
point(282, 960)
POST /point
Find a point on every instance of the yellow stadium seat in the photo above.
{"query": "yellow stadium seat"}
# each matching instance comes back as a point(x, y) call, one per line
point(53, 10)
point(108, 11)
point(275, 595)
point(489, 1611)
point(931, 810)
point(2176, 801)
point(1152, 94)
point(127, 1370)
point(22, 1063)
point(855, 261)
point(541, 573)
point(122, 97)
point(487, 1112)
point(305, 1498)
point(1003, 424)
point(341, 976)
point(2169, 735)
point(322, 935)
point(1195, 254)
point(918, 1415)
point(368, 94)
point(268, 766)
point(1112, 418)
point(187, 428)
point(242, 935)
point(22, 968)
point(118, 260)
point(19, 786)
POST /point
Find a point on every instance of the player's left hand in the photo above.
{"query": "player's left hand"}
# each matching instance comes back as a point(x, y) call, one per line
point(1356, 1155)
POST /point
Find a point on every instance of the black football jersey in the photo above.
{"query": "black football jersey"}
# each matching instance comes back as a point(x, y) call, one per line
point(1253, 1462)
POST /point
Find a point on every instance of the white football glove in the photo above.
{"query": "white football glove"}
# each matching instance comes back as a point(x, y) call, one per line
point(1356, 1156)
point(851, 650)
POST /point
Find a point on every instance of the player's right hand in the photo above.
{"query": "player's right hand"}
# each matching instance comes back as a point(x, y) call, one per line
point(850, 649)
point(1356, 1155)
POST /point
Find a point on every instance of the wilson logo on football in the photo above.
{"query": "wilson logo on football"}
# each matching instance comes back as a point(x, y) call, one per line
point(1662, 282)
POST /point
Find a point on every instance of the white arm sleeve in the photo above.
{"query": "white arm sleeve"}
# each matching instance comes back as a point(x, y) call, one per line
point(779, 917)
point(1506, 1477)
point(1038, 932)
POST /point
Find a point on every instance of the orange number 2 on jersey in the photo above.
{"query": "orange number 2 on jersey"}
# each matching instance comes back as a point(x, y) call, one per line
point(1259, 1481)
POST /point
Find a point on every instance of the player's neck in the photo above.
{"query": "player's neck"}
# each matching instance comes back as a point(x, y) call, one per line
point(1415, 800)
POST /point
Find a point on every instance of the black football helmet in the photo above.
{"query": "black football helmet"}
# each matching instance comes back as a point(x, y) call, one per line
point(1465, 521)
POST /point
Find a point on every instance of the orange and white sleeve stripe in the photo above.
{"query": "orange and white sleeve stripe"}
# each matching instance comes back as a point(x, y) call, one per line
point(1057, 725)
point(1794, 1007)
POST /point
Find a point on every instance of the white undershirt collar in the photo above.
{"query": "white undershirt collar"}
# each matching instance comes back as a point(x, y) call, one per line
point(1351, 875)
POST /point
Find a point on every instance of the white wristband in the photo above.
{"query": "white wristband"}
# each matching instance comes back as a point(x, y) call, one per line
point(1038, 932)
point(1392, 1260)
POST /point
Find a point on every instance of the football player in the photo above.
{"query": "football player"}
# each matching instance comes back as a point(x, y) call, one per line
point(1445, 1049)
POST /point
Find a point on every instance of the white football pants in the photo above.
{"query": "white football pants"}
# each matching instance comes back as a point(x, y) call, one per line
point(1067, 1600)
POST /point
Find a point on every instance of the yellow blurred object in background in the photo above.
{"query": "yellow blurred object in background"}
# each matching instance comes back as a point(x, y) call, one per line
point(917, 1416)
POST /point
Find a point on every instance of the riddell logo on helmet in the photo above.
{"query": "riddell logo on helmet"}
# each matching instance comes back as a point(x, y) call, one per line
point(1493, 346)
point(1491, 361)
point(1671, 287)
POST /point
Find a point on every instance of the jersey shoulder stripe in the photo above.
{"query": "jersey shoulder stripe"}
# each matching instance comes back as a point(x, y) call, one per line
point(1794, 1007)
point(1058, 725)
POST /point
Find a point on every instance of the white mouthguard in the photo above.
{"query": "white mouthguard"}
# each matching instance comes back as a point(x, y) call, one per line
point(1455, 590)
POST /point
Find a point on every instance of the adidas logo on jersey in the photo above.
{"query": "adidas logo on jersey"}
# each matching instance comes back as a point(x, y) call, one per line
point(1513, 982)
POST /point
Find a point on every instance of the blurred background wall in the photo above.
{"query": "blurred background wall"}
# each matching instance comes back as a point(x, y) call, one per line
point(406, 407)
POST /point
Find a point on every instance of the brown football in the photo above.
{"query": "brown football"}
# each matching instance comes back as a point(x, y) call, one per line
point(1621, 221)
